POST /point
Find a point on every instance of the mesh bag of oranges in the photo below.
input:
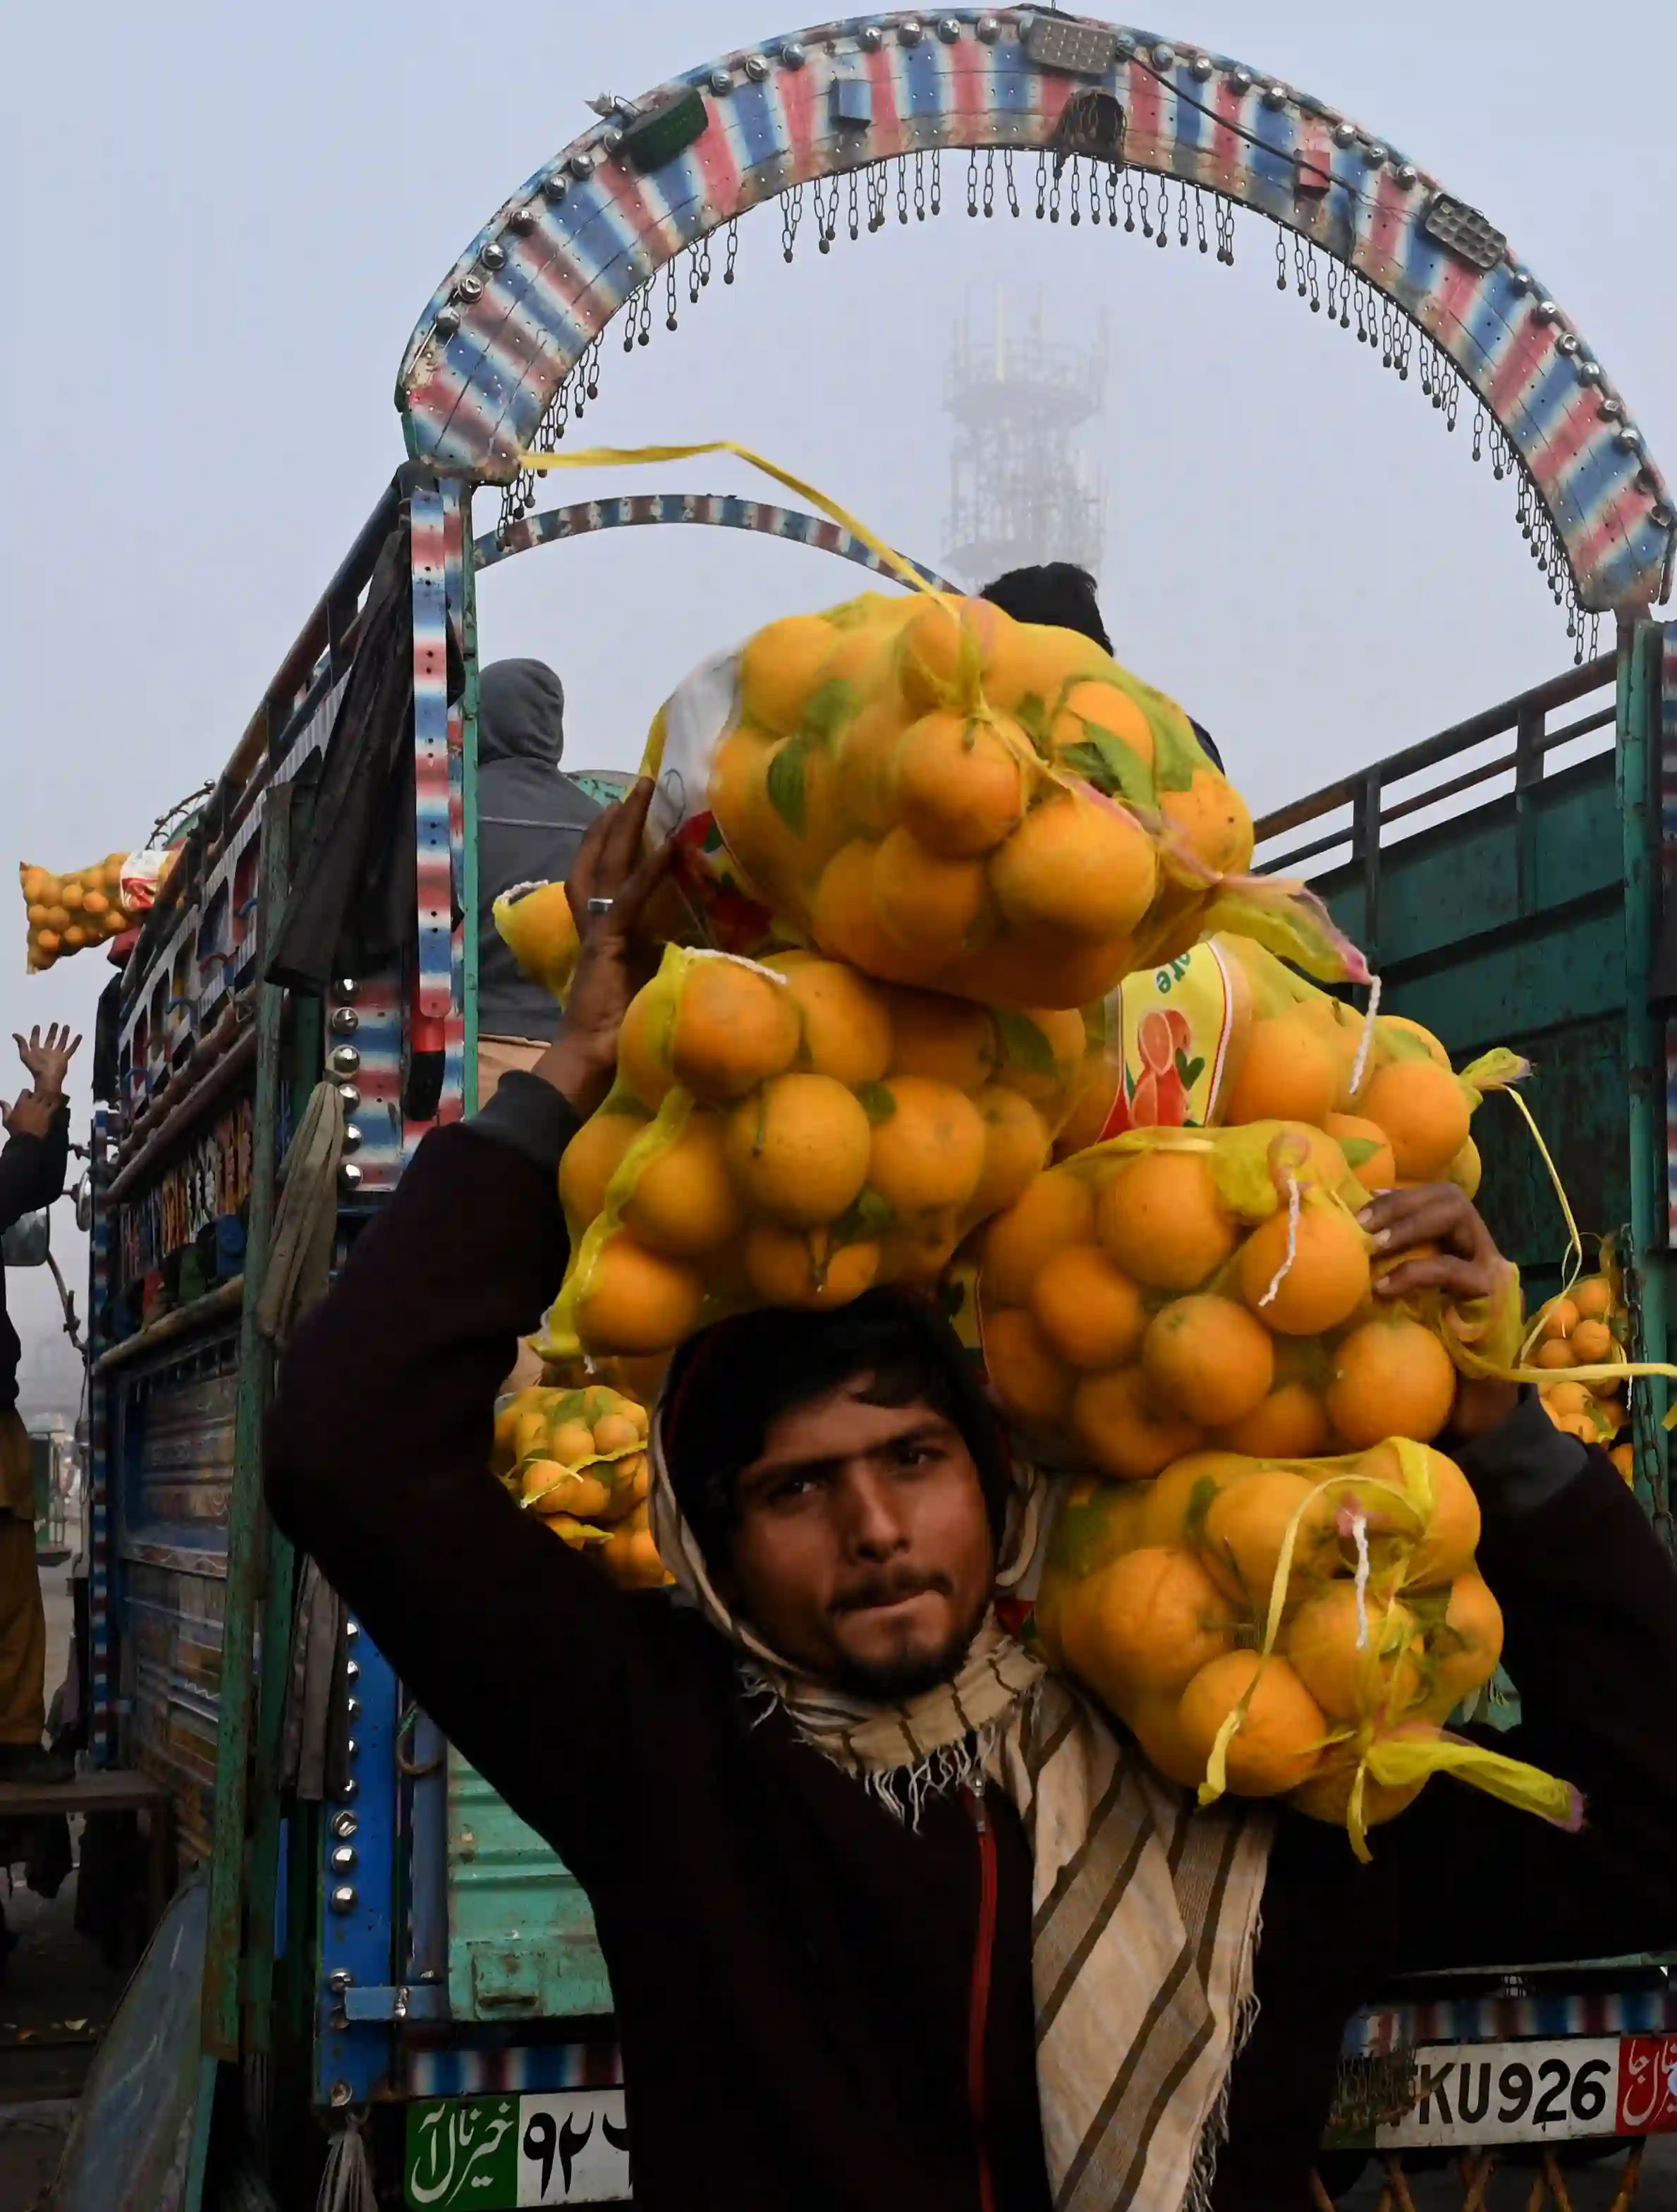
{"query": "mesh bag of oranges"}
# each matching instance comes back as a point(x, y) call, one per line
point(1176, 1286)
point(788, 1134)
point(946, 797)
point(577, 1459)
point(1288, 1628)
point(1587, 1328)
point(68, 912)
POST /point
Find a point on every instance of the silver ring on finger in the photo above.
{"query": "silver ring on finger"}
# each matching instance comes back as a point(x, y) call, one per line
point(601, 905)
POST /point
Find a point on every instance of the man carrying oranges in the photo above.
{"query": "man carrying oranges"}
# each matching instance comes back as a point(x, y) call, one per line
point(895, 1916)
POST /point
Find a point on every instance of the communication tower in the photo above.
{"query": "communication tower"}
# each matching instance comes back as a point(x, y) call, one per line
point(1021, 487)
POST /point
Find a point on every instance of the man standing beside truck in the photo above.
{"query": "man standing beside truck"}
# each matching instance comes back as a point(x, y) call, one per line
point(31, 1175)
point(893, 1919)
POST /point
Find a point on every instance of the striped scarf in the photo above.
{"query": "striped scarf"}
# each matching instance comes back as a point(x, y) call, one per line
point(1144, 1909)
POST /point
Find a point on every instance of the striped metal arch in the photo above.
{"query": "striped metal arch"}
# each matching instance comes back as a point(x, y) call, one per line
point(718, 509)
point(544, 278)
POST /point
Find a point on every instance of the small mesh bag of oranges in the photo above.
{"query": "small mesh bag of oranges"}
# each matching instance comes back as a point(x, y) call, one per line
point(1579, 1342)
point(1288, 1628)
point(1173, 1288)
point(68, 912)
point(946, 798)
point(788, 1132)
point(577, 1459)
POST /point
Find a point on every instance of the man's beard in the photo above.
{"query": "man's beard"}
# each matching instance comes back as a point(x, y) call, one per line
point(894, 1682)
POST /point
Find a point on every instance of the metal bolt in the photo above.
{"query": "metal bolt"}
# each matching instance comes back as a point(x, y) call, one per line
point(794, 52)
point(1661, 516)
point(1629, 439)
point(1374, 154)
point(1126, 44)
point(351, 1747)
point(720, 81)
point(1545, 311)
point(349, 1096)
point(344, 1826)
point(582, 164)
point(556, 187)
point(870, 38)
point(448, 322)
point(469, 289)
point(523, 220)
point(1164, 56)
point(610, 139)
point(340, 2094)
point(1408, 173)
point(352, 1670)
point(351, 1137)
point(1567, 342)
point(340, 1979)
point(989, 29)
point(345, 1021)
point(1610, 408)
point(349, 1174)
point(352, 1710)
point(343, 1060)
point(1589, 371)
point(1275, 96)
point(911, 31)
point(1200, 67)
point(346, 987)
point(1241, 79)
point(344, 1859)
point(756, 67)
point(1344, 134)
point(493, 256)
point(344, 1898)
point(1520, 279)
point(429, 1974)
point(351, 1630)
point(349, 1787)
point(949, 28)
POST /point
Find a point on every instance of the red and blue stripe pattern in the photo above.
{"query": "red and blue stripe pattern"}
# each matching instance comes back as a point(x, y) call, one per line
point(102, 1689)
point(717, 509)
point(1378, 2029)
point(511, 2069)
point(559, 259)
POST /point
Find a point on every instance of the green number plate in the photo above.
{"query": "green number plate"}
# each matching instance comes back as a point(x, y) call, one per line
point(497, 2154)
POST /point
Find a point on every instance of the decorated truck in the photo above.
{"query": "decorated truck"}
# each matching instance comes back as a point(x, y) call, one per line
point(387, 1947)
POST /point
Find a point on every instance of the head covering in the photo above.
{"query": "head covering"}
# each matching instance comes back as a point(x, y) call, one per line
point(1058, 592)
point(521, 713)
point(1144, 1908)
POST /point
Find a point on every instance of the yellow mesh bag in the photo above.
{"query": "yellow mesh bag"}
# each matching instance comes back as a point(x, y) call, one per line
point(789, 1133)
point(68, 912)
point(577, 1459)
point(1291, 1628)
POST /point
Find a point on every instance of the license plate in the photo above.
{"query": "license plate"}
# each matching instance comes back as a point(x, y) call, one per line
point(499, 2154)
point(1474, 2094)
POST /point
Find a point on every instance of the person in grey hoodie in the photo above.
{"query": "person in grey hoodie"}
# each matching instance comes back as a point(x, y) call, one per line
point(531, 818)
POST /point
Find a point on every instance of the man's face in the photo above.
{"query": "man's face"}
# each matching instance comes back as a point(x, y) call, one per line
point(863, 1551)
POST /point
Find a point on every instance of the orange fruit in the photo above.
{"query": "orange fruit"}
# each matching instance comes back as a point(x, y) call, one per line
point(1449, 1536)
point(1466, 1170)
point(1357, 1666)
point(1367, 1149)
point(95, 903)
point(864, 761)
point(1146, 1624)
point(1033, 1386)
point(1398, 1026)
point(1423, 1109)
point(1592, 1344)
point(38, 884)
point(590, 1160)
point(735, 1026)
point(46, 942)
point(1328, 1795)
point(931, 905)
point(1326, 1279)
point(1560, 1318)
point(780, 667)
point(960, 787)
point(1212, 821)
point(1565, 1400)
point(684, 1202)
point(1464, 1646)
point(1623, 1458)
point(799, 1150)
point(643, 1047)
point(845, 922)
point(846, 1023)
point(1290, 1071)
point(1043, 1049)
point(1024, 973)
point(803, 1267)
point(1280, 1737)
point(1207, 1357)
point(945, 647)
point(948, 1040)
point(1076, 865)
point(927, 1144)
point(1123, 1433)
point(1057, 1211)
point(1090, 1313)
point(1155, 1725)
point(1161, 1219)
point(1593, 1297)
point(1016, 1149)
point(1093, 709)
point(1037, 662)
point(1557, 1352)
point(636, 1300)
point(616, 1433)
point(1291, 1423)
point(1173, 1508)
point(1246, 1529)
point(1392, 1377)
point(547, 1487)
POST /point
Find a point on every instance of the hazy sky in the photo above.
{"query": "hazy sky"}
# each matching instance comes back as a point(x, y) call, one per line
point(223, 223)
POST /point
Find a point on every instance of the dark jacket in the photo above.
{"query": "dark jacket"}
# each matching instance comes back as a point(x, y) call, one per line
point(791, 1967)
point(530, 821)
point(31, 1175)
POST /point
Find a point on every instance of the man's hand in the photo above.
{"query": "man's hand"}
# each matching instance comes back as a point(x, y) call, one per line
point(48, 1062)
point(583, 1057)
point(30, 1115)
point(1463, 1261)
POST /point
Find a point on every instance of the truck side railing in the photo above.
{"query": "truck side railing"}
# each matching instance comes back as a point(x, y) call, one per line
point(1369, 809)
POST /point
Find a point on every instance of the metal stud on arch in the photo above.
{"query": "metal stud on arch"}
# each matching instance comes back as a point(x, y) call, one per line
point(657, 176)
